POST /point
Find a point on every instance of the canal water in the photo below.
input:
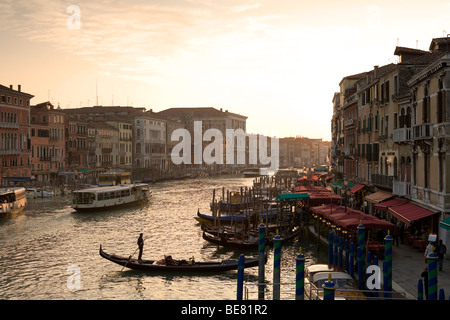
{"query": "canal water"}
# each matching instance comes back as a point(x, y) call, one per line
point(49, 251)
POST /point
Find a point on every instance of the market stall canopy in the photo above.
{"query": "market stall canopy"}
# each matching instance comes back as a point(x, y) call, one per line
point(293, 196)
point(409, 212)
point(378, 196)
point(390, 203)
point(357, 188)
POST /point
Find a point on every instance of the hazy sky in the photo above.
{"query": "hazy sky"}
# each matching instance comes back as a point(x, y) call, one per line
point(278, 62)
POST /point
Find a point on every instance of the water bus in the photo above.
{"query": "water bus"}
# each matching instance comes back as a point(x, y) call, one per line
point(114, 190)
point(12, 199)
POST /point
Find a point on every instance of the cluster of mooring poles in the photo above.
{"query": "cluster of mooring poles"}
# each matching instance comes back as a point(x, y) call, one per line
point(368, 270)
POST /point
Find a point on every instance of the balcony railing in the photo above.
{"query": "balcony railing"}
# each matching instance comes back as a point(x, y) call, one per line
point(10, 152)
point(401, 188)
point(402, 135)
point(382, 180)
point(422, 131)
point(9, 125)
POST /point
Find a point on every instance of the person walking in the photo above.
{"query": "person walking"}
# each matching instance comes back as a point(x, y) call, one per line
point(140, 244)
point(441, 250)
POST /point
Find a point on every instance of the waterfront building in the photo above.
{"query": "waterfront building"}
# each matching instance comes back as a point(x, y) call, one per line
point(15, 145)
point(211, 118)
point(76, 145)
point(103, 141)
point(48, 142)
point(302, 152)
point(401, 133)
point(125, 146)
point(149, 144)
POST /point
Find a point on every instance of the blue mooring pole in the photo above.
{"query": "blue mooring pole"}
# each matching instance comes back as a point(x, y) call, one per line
point(420, 290)
point(432, 276)
point(240, 277)
point(328, 289)
point(276, 267)
point(352, 260)
point(388, 264)
point(300, 276)
point(330, 249)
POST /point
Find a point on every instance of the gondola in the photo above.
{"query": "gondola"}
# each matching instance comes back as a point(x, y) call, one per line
point(250, 243)
point(182, 266)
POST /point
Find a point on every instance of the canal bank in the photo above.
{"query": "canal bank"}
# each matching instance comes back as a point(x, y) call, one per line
point(408, 263)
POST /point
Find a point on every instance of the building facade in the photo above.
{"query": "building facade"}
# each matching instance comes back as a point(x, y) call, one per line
point(48, 143)
point(401, 131)
point(15, 143)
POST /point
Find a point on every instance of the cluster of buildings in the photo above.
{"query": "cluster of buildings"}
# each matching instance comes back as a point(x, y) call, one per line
point(391, 128)
point(53, 146)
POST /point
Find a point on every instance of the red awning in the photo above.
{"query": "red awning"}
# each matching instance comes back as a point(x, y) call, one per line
point(390, 203)
point(357, 187)
point(409, 212)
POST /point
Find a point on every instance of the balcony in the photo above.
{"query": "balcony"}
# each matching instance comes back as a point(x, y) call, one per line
point(402, 135)
point(401, 188)
point(9, 125)
point(422, 131)
point(382, 180)
point(10, 152)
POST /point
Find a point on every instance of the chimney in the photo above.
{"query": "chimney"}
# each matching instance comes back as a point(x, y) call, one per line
point(375, 69)
point(11, 86)
point(19, 88)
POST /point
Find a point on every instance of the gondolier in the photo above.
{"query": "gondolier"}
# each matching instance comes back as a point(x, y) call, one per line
point(140, 244)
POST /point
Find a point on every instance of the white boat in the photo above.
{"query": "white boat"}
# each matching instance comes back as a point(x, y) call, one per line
point(12, 199)
point(40, 193)
point(94, 199)
point(316, 275)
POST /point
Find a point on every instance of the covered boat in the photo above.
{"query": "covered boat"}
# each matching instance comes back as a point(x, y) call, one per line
point(12, 199)
point(99, 198)
point(169, 265)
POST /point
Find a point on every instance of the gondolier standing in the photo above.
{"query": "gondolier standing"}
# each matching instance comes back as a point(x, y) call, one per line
point(140, 243)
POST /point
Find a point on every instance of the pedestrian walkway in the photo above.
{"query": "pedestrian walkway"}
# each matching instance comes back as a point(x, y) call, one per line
point(407, 266)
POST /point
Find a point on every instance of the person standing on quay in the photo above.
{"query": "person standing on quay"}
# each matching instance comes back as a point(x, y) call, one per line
point(140, 243)
point(441, 250)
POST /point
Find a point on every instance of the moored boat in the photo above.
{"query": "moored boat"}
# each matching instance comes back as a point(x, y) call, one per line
point(12, 199)
point(317, 274)
point(182, 266)
point(235, 240)
point(93, 199)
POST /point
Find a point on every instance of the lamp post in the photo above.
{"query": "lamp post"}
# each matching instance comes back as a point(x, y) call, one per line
point(345, 193)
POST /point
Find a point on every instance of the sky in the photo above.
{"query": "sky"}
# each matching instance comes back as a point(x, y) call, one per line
point(278, 62)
